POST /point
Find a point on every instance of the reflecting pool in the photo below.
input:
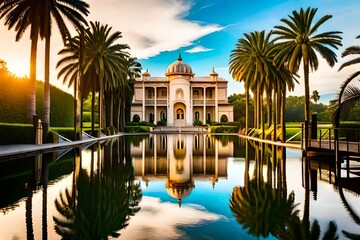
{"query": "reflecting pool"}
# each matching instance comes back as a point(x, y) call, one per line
point(177, 186)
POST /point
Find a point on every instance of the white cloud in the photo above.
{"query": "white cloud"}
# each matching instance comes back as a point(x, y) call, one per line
point(163, 224)
point(151, 26)
point(198, 49)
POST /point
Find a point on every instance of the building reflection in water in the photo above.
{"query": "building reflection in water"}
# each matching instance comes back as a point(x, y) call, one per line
point(181, 159)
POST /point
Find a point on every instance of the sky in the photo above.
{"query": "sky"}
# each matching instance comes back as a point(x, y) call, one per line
point(203, 31)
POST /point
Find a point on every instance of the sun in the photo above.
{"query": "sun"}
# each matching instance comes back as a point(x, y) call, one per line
point(18, 69)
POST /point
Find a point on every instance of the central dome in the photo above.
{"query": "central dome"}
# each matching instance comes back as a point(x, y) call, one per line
point(179, 68)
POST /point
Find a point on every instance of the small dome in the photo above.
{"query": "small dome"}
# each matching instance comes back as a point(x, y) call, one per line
point(179, 68)
point(213, 73)
point(146, 74)
point(179, 191)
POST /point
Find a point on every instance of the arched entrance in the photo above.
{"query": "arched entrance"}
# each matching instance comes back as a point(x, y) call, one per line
point(179, 114)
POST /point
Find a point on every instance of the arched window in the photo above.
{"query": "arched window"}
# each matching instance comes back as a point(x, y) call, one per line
point(136, 118)
point(197, 115)
point(163, 142)
point(223, 118)
point(208, 118)
point(179, 113)
point(196, 140)
point(162, 115)
point(151, 143)
point(179, 94)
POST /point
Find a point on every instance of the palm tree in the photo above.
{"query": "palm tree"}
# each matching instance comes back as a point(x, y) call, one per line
point(72, 10)
point(348, 95)
point(104, 64)
point(21, 14)
point(299, 43)
point(315, 96)
point(104, 59)
point(253, 62)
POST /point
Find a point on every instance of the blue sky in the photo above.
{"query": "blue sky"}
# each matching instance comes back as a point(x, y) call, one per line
point(203, 31)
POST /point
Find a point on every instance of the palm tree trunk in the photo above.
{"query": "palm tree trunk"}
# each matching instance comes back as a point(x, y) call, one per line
point(307, 104)
point(101, 93)
point(46, 117)
point(282, 114)
point(262, 116)
point(31, 108)
point(111, 117)
point(274, 112)
point(93, 111)
point(247, 109)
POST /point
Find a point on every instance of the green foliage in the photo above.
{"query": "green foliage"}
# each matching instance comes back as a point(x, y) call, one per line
point(351, 130)
point(13, 99)
point(197, 122)
point(137, 129)
point(162, 122)
point(144, 123)
point(224, 129)
point(17, 134)
point(66, 132)
point(86, 117)
point(294, 109)
point(239, 103)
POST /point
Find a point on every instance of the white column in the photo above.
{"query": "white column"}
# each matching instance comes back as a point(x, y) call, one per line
point(204, 108)
point(155, 153)
point(216, 103)
point(155, 105)
point(143, 102)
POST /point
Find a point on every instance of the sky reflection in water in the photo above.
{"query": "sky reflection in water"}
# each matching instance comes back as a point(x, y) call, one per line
point(185, 193)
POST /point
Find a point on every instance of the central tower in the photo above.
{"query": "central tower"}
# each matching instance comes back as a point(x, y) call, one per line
point(179, 74)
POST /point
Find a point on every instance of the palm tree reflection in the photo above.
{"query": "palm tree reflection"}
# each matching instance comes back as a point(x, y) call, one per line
point(260, 206)
point(101, 203)
point(263, 206)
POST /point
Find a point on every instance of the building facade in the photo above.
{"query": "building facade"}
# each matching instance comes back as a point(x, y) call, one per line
point(181, 160)
point(180, 97)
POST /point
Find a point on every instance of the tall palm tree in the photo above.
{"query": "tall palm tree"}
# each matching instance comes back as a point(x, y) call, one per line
point(104, 59)
point(20, 14)
point(58, 10)
point(253, 63)
point(299, 42)
point(133, 72)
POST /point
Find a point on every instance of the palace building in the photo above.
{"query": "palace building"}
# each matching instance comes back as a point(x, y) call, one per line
point(180, 97)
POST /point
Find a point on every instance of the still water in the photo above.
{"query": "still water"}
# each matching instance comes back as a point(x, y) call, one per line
point(176, 186)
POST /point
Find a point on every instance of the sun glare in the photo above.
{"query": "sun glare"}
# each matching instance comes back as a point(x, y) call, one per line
point(18, 69)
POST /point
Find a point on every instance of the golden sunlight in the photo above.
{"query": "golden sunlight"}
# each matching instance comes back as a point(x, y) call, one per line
point(18, 69)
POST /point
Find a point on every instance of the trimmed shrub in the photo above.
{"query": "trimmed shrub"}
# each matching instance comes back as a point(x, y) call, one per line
point(351, 131)
point(13, 98)
point(17, 134)
point(137, 129)
point(197, 122)
point(162, 122)
point(68, 133)
point(144, 123)
point(224, 129)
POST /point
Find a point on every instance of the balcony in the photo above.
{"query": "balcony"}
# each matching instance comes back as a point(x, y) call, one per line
point(159, 102)
point(200, 102)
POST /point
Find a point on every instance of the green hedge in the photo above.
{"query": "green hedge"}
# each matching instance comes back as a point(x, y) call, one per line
point(351, 131)
point(224, 129)
point(13, 99)
point(87, 117)
point(17, 134)
point(137, 129)
point(68, 133)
